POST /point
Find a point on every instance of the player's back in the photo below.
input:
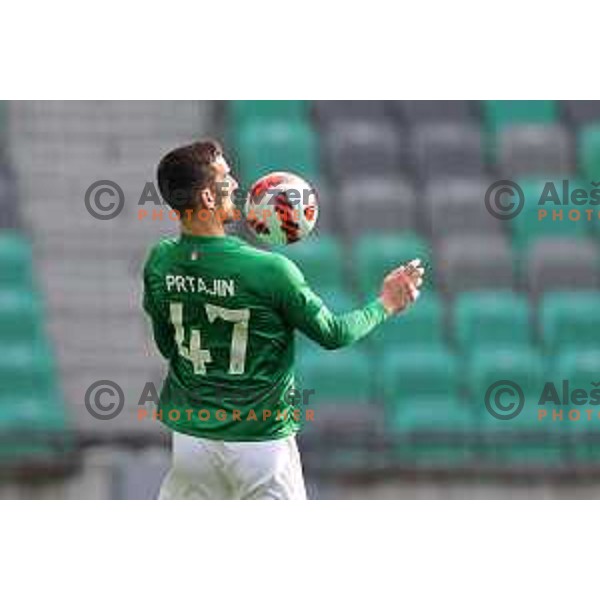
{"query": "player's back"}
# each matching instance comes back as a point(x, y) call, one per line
point(213, 303)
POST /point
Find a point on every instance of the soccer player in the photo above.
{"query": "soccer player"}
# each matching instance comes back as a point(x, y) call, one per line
point(224, 314)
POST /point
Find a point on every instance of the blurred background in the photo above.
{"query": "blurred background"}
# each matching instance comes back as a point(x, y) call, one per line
point(401, 414)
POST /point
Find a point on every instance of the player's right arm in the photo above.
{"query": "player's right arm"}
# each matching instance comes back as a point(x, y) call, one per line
point(305, 310)
point(161, 328)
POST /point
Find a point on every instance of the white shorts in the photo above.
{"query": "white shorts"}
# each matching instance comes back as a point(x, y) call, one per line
point(205, 469)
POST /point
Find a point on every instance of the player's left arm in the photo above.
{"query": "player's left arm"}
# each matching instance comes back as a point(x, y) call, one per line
point(306, 311)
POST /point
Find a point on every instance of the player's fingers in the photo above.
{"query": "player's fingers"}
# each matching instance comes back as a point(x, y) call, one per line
point(408, 288)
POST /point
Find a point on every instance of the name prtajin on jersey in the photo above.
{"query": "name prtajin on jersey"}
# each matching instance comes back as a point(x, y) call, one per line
point(197, 285)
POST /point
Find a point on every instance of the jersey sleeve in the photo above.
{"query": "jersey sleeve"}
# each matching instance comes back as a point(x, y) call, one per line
point(304, 310)
point(161, 328)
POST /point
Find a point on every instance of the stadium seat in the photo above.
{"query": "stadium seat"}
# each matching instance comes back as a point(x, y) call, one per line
point(572, 404)
point(21, 316)
point(501, 113)
point(492, 319)
point(519, 364)
point(561, 264)
point(589, 152)
point(378, 204)
point(447, 149)
point(376, 255)
point(474, 262)
point(321, 261)
point(242, 112)
point(27, 371)
point(581, 112)
point(9, 217)
point(580, 367)
point(570, 320)
point(336, 377)
point(423, 410)
point(535, 150)
point(422, 325)
point(278, 146)
point(139, 475)
point(362, 148)
point(15, 261)
point(523, 439)
point(3, 128)
point(414, 112)
point(409, 373)
point(328, 112)
point(432, 433)
point(457, 206)
point(558, 220)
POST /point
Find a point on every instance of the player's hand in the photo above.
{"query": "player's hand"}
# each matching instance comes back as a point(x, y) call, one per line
point(401, 286)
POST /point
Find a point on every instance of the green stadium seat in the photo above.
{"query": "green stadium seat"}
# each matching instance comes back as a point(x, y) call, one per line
point(530, 225)
point(422, 325)
point(524, 440)
point(27, 369)
point(491, 320)
point(519, 364)
point(579, 366)
point(15, 261)
point(569, 320)
point(410, 373)
point(503, 113)
point(431, 432)
point(377, 254)
point(278, 146)
point(588, 152)
point(21, 316)
point(245, 111)
point(343, 376)
point(577, 369)
point(423, 411)
point(321, 261)
point(33, 420)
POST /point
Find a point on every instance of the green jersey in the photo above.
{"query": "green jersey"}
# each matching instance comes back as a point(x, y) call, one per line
point(224, 314)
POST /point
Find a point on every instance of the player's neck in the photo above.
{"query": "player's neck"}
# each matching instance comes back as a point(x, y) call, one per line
point(211, 228)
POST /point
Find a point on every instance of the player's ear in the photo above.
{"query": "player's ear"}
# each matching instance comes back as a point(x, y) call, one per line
point(207, 199)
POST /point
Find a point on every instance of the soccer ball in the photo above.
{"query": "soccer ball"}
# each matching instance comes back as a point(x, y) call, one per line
point(281, 208)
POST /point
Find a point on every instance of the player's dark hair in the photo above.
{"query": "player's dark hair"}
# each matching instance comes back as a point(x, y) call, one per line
point(185, 170)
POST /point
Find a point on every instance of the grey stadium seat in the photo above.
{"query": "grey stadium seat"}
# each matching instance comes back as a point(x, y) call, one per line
point(457, 205)
point(581, 112)
point(561, 264)
point(447, 149)
point(535, 150)
point(362, 148)
point(140, 474)
point(377, 203)
point(9, 214)
point(474, 262)
point(330, 111)
point(425, 111)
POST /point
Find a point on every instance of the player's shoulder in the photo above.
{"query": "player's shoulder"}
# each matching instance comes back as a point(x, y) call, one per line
point(272, 258)
point(160, 250)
